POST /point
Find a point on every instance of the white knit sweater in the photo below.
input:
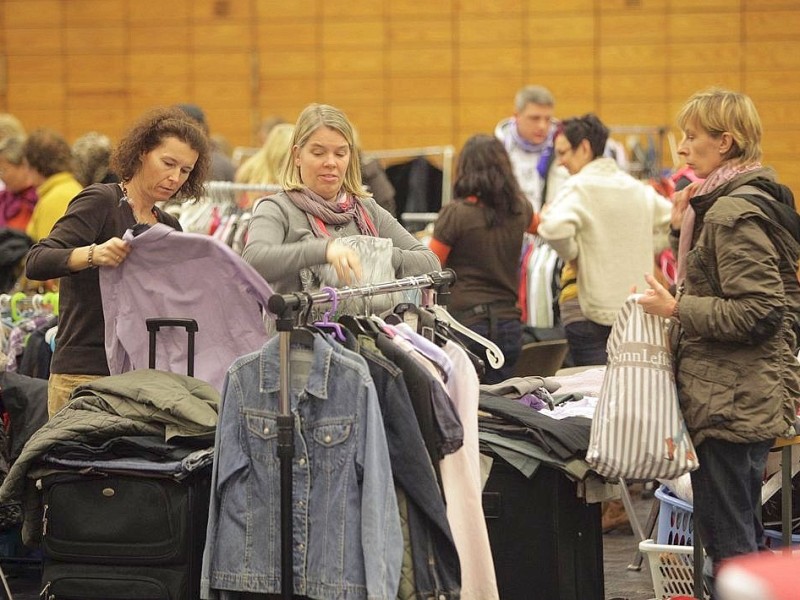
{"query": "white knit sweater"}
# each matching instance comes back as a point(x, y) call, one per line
point(614, 225)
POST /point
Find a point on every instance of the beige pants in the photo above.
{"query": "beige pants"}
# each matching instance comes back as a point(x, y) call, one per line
point(60, 387)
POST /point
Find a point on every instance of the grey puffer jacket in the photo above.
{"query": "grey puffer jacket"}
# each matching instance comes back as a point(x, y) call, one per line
point(738, 379)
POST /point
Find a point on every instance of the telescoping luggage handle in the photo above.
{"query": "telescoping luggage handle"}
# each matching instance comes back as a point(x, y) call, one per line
point(190, 325)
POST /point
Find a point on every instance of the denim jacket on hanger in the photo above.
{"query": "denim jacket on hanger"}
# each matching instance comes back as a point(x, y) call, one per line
point(347, 537)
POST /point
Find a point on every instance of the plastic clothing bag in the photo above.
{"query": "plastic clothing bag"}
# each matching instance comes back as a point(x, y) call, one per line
point(638, 431)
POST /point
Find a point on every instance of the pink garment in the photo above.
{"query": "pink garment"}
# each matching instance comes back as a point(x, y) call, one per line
point(461, 480)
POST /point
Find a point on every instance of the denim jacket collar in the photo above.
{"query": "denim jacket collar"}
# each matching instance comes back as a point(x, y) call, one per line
point(317, 385)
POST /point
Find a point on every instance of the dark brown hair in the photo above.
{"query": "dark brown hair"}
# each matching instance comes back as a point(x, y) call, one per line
point(149, 132)
point(484, 170)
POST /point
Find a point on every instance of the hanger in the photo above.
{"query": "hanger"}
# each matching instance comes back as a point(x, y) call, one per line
point(493, 352)
point(303, 335)
point(326, 323)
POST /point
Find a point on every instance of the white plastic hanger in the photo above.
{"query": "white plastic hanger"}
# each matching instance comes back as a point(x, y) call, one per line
point(493, 353)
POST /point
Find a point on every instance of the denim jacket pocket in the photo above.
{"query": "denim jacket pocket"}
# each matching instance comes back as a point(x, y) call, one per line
point(706, 390)
point(330, 444)
point(263, 433)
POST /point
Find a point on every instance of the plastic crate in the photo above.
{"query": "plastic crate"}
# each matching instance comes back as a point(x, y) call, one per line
point(672, 569)
point(774, 539)
point(675, 526)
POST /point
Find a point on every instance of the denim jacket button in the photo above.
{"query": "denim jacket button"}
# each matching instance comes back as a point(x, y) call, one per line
point(302, 461)
point(266, 429)
point(327, 439)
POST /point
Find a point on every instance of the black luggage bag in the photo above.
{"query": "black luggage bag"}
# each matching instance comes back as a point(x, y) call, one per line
point(127, 528)
point(547, 543)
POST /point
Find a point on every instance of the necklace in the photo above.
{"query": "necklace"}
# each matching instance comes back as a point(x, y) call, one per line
point(129, 200)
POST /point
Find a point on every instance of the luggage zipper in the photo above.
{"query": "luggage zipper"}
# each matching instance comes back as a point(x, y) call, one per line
point(44, 521)
point(45, 593)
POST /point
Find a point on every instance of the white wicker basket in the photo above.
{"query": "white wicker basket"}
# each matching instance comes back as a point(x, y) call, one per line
point(672, 569)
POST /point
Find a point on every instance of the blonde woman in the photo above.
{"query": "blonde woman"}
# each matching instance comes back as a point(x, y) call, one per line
point(265, 166)
point(323, 200)
point(737, 236)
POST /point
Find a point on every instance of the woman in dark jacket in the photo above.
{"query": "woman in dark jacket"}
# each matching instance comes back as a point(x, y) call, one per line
point(736, 235)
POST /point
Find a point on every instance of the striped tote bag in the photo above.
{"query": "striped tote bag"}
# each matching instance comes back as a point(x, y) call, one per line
point(638, 431)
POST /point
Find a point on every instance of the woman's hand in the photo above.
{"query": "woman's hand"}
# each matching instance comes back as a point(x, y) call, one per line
point(680, 201)
point(345, 261)
point(108, 254)
point(657, 300)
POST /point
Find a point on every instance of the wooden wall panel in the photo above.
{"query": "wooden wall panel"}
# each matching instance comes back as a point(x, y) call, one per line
point(409, 73)
point(435, 32)
point(44, 44)
point(713, 26)
point(140, 14)
point(82, 13)
point(634, 58)
point(27, 14)
point(560, 29)
point(642, 27)
point(505, 8)
point(157, 38)
point(476, 31)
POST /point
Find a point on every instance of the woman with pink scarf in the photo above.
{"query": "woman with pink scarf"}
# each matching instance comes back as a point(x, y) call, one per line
point(737, 236)
point(317, 231)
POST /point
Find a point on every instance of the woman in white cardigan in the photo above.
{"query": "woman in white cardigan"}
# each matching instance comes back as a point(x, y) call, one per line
point(607, 226)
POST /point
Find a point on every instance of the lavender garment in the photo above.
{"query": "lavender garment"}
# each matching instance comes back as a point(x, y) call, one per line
point(182, 275)
point(533, 401)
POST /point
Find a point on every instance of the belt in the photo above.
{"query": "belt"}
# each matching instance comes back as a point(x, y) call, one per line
point(479, 310)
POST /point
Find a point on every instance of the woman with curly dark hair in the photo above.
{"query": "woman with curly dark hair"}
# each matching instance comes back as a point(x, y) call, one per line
point(164, 155)
point(479, 236)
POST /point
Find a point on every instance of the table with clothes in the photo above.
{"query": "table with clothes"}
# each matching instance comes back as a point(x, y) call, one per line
point(541, 498)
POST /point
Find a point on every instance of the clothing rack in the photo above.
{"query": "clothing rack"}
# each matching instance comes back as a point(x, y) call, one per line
point(218, 187)
point(285, 307)
point(659, 132)
point(448, 155)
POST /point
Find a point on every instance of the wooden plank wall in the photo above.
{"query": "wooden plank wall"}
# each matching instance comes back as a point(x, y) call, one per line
point(408, 72)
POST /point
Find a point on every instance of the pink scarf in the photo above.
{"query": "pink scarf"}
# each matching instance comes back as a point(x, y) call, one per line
point(321, 212)
point(721, 175)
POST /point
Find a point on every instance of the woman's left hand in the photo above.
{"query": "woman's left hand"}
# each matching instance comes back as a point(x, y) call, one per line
point(657, 300)
point(345, 261)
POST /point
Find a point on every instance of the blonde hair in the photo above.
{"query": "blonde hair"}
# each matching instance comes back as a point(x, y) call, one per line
point(266, 165)
point(310, 120)
point(10, 126)
point(718, 111)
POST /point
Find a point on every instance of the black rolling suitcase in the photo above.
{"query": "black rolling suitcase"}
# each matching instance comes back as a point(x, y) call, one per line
point(546, 542)
point(127, 527)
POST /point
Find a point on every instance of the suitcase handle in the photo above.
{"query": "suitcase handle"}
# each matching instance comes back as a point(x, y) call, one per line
point(190, 325)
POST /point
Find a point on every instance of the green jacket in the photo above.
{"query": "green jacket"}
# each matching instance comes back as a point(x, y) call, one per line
point(738, 379)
